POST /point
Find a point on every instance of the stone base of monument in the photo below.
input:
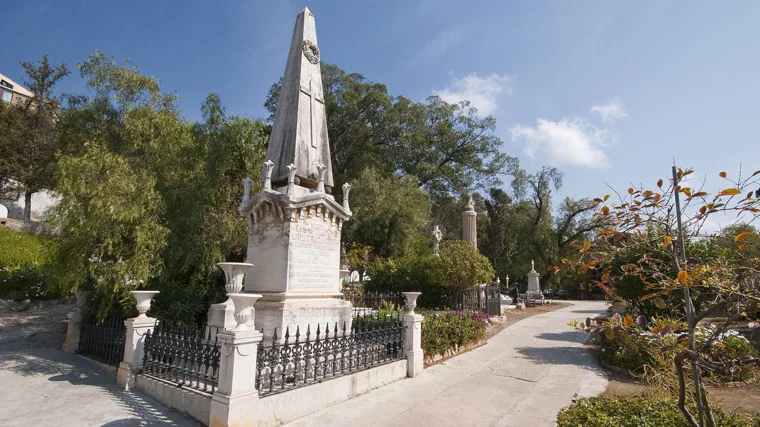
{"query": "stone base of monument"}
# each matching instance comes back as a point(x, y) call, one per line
point(292, 313)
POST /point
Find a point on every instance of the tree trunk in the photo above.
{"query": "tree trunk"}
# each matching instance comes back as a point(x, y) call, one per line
point(27, 206)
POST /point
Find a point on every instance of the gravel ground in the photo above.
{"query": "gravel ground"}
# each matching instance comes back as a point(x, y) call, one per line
point(34, 328)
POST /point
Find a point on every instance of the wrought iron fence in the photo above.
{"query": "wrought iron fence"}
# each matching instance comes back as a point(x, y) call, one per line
point(299, 360)
point(102, 341)
point(183, 354)
point(486, 299)
point(370, 302)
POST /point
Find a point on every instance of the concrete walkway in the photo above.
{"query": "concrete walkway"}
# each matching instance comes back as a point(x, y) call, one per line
point(45, 387)
point(523, 377)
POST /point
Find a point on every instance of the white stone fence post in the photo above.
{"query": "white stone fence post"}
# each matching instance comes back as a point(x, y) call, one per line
point(413, 339)
point(235, 401)
point(137, 327)
point(74, 328)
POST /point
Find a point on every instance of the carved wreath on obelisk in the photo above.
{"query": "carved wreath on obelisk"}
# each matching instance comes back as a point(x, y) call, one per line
point(311, 51)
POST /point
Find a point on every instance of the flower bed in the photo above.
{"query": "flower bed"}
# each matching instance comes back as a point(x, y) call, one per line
point(445, 333)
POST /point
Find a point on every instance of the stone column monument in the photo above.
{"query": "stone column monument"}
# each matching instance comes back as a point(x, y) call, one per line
point(469, 224)
point(294, 224)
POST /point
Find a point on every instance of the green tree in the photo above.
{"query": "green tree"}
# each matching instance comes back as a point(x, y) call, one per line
point(27, 133)
point(389, 213)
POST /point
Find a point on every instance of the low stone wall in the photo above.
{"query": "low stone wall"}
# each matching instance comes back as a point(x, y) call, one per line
point(451, 352)
point(291, 405)
point(279, 408)
point(193, 403)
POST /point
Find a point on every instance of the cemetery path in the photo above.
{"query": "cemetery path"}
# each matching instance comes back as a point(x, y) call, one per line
point(522, 377)
point(46, 387)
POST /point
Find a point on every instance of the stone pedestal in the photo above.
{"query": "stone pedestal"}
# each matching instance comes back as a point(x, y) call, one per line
point(534, 286)
point(413, 344)
point(133, 350)
point(294, 240)
point(234, 402)
point(221, 317)
point(73, 331)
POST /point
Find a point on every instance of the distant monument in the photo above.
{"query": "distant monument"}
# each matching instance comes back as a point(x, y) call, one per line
point(534, 287)
point(469, 224)
point(437, 236)
point(294, 225)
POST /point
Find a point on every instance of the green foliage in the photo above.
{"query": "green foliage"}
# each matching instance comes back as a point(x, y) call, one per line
point(638, 412)
point(150, 198)
point(446, 330)
point(389, 213)
point(27, 266)
point(440, 279)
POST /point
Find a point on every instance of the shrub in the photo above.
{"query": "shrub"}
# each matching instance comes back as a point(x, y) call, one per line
point(444, 330)
point(440, 279)
point(27, 266)
point(637, 412)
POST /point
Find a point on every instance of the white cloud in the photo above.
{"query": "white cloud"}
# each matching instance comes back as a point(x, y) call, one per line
point(441, 43)
point(482, 92)
point(611, 111)
point(569, 141)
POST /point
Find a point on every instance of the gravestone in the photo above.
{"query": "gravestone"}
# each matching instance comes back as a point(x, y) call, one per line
point(534, 286)
point(294, 225)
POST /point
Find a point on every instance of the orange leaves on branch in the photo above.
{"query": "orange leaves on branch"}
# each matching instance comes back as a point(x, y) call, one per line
point(743, 246)
point(687, 191)
point(741, 236)
point(586, 246)
point(683, 277)
point(659, 302)
point(605, 210)
point(756, 173)
point(630, 191)
point(628, 320)
point(606, 197)
point(666, 241)
point(699, 194)
point(723, 174)
point(729, 192)
point(609, 333)
point(659, 183)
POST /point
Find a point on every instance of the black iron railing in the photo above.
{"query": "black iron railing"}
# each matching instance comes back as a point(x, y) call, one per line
point(102, 341)
point(327, 352)
point(183, 354)
point(371, 302)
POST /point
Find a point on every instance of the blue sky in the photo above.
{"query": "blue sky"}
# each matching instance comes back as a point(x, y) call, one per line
point(610, 92)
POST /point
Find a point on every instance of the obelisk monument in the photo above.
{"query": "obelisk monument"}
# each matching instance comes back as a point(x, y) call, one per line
point(294, 224)
point(299, 134)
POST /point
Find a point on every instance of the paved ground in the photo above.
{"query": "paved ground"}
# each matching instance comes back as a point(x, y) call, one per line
point(522, 377)
point(45, 387)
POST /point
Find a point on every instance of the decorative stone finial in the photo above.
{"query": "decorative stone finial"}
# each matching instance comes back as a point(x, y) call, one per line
point(470, 204)
point(268, 165)
point(411, 300)
point(246, 190)
point(143, 301)
point(346, 190)
point(321, 183)
point(234, 272)
point(291, 179)
point(243, 308)
point(532, 266)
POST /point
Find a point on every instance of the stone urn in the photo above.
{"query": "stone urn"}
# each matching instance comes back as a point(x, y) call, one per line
point(411, 300)
point(143, 301)
point(233, 275)
point(244, 310)
point(343, 274)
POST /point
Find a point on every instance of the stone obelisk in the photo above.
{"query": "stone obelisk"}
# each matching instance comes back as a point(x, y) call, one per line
point(299, 134)
point(294, 225)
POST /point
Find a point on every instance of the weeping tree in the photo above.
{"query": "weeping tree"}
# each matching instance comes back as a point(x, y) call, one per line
point(668, 216)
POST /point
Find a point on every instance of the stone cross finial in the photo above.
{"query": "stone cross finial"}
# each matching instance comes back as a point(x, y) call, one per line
point(291, 179)
point(247, 189)
point(268, 165)
point(321, 183)
point(346, 189)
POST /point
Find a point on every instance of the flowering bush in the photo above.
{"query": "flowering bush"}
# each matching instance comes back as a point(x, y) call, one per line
point(444, 330)
point(640, 346)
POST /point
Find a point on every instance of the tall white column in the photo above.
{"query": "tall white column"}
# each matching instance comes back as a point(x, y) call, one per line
point(469, 224)
point(413, 340)
point(135, 340)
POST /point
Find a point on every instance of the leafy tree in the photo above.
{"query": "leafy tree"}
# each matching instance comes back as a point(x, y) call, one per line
point(463, 266)
point(27, 133)
point(389, 213)
point(448, 147)
point(670, 216)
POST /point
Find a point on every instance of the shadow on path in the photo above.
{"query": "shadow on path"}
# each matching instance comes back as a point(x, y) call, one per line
point(63, 367)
